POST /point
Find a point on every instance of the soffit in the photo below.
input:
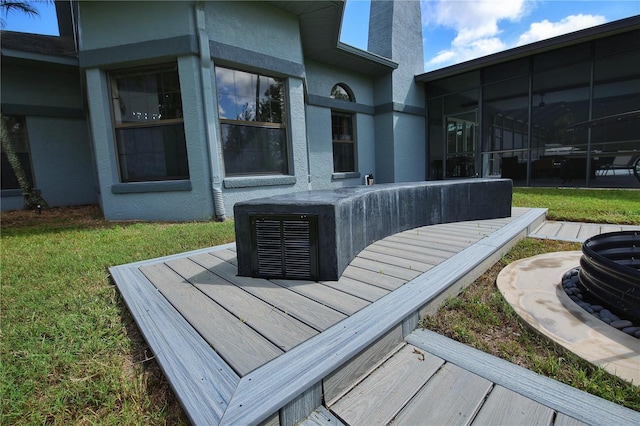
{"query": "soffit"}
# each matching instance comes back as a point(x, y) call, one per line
point(320, 23)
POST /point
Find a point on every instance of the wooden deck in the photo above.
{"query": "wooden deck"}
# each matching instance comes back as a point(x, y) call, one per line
point(407, 389)
point(241, 350)
point(574, 231)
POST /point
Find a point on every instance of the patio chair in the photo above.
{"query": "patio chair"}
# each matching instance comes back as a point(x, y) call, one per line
point(621, 162)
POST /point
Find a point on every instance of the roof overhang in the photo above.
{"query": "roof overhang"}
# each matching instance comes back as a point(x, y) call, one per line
point(588, 34)
point(38, 48)
point(320, 24)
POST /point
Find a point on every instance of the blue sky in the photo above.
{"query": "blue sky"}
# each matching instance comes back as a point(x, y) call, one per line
point(453, 30)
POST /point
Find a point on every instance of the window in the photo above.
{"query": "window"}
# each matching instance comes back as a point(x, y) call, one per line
point(149, 128)
point(344, 144)
point(342, 92)
point(252, 123)
point(17, 130)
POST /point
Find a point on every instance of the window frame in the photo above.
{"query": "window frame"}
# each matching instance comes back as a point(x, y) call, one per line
point(282, 125)
point(352, 142)
point(119, 125)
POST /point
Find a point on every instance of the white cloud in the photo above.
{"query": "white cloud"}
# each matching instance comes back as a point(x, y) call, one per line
point(545, 29)
point(475, 23)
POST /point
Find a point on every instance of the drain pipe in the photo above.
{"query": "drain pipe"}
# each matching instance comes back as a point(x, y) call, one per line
point(208, 104)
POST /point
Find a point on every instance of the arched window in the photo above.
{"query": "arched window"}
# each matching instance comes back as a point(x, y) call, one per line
point(341, 91)
point(343, 134)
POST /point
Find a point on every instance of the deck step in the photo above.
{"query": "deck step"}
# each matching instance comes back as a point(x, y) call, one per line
point(435, 380)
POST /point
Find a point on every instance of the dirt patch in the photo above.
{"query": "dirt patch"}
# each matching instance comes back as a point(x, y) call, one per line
point(55, 217)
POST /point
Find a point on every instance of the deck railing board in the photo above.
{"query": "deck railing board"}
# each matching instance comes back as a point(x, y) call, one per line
point(203, 381)
point(282, 330)
point(558, 396)
point(265, 390)
point(239, 345)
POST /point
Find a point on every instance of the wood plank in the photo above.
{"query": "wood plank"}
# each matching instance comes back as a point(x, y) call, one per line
point(302, 406)
point(428, 237)
point(548, 230)
point(453, 396)
point(313, 314)
point(321, 417)
point(383, 256)
point(564, 420)
point(385, 269)
point(558, 396)
point(237, 343)
point(373, 278)
point(569, 231)
point(357, 288)
point(377, 400)
point(587, 232)
point(344, 378)
point(267, 389)
point(202, 381)
point(336, 299)
point(504, 406)
point(421, 253)
point(282, 330)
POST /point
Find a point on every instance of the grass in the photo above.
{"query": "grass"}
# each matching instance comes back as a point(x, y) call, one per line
point(71, 354)
point(615, 206)
point(482, 318)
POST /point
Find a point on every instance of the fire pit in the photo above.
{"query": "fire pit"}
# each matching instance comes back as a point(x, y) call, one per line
point(610, 271)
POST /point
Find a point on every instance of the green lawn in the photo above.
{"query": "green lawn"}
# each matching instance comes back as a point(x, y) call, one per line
point(70, 352)
point(583, 205)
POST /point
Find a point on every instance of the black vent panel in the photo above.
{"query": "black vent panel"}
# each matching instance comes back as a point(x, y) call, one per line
point(284, 246)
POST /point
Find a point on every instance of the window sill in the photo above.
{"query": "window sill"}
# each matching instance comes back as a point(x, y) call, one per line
point(347, 175)
point(252, 181)
point(142, 187)
point(11, 193)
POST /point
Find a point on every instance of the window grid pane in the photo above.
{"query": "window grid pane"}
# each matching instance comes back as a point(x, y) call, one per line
point(147, 109)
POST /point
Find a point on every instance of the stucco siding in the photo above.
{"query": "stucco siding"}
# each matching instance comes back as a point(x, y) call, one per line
point(321, 79)
point(108, 24)
point(256, 27)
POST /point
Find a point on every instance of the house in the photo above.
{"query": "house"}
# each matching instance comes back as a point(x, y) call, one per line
point(177, 110)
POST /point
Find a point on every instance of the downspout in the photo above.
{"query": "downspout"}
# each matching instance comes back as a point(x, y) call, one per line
point(209, 113)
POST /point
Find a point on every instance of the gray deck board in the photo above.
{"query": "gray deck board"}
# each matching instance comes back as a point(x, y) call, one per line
point(385, 268)
point(224, 332)
point(302, 308)
point(328, 296)
point(204, 383)
point(507, 407)
point(453, 396)
point(381, 395)
point(374, 278)
point(555, 395)
point(384, 255)
point(357, 288)
point(282, 330)
point(419, 252)
point(398, 290)
point(268, 388)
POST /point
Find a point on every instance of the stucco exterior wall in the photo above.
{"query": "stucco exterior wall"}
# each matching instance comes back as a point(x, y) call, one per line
point(49, 97)
point(320, 80)
point(255, 26)
point(107, 24)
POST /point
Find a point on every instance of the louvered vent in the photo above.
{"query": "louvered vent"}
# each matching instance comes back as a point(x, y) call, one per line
point(284, 246)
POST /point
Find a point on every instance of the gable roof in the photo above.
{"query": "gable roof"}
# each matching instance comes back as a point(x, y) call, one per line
point(38, 47)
